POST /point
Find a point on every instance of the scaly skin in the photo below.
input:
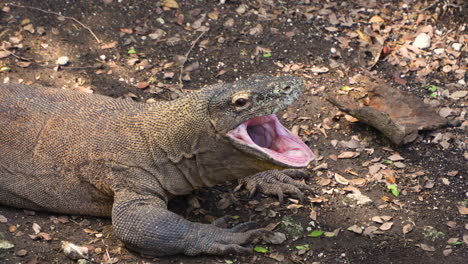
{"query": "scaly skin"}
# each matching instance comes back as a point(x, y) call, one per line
point(74, 153)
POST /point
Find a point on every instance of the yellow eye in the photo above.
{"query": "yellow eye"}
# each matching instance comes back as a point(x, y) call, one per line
point(241, 100)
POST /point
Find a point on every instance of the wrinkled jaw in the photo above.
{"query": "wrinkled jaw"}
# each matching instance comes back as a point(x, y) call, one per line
point(266, 136)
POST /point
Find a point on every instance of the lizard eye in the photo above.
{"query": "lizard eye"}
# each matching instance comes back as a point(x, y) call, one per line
point(241, 101)
point(287, 89)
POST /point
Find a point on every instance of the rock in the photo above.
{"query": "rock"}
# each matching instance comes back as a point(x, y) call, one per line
point(422, 41)
point(62, 61)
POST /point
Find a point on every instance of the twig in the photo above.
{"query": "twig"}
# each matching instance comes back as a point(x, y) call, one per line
point(57, 14)
point(186, 57)
point(17, 56)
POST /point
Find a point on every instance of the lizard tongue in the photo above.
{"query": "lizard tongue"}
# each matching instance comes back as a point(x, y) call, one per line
point(267, 135)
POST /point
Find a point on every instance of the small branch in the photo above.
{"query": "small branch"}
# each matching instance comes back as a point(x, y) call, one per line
point(17, 56)
point(186, 57)
point(57, 14)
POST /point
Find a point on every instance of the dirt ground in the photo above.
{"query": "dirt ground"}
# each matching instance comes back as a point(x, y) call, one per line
point(136, 49)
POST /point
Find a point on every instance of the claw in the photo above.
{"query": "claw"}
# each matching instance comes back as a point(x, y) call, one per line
point(243, 227)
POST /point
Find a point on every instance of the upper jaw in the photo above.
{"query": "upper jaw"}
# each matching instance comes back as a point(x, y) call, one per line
point(266, 137)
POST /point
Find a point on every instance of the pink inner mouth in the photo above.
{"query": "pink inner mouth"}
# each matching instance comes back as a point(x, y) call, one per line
point(268, 135)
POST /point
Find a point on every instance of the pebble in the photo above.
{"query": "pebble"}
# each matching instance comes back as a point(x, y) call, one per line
point(62, 61)
point(422, 41)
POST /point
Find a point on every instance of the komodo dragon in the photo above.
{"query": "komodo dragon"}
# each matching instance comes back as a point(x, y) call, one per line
point(73, 153)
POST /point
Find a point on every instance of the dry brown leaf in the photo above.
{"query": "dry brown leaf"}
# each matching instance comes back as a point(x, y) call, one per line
point(377, 219)
point(387, 199)
point(214, 14)
point(396, 157)
point(376, 19)
point(348, 155)
point(386, 226)
point(313, 214)
point(4, 54)
point(45, 236)
point(407, 228)
point(170, 4)
point(324, 181)
point(24, 64)
point(109, 45)
point(341, 180)
point(142, 85)
point(36, 228)
point(426, 247)
point(358, 182)
point(356, 229)
point(463, 210)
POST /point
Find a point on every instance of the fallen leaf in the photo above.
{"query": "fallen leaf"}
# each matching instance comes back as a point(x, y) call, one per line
point(12, 229)
point(348, 155)
point(4, 54)
point(463, 210)
point(24, 64)
point(386, 226)
point(316, 233)
point(370, 231)
point(407, 228)
point(341, 180)
point(356, 229)
point(452, 173)
point(36, 228)
point(358, 182)
point(458, 94)
point(426, 247)
point(452, 224)
point(21, 253)
point(275, 238)
point(73, 251)
point(45, 236)
point(447, 252)
point(109, 45)
point(3, 219)
point(377, 219)
point(276, 256)
point(261, 249)
point(376, 19)
point(170, 4)
point(142, 85)
point(396, 157)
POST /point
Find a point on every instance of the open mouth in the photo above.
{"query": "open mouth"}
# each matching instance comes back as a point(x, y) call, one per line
point(267, 135)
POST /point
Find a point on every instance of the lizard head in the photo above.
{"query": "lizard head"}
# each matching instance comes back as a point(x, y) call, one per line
point(243, 113)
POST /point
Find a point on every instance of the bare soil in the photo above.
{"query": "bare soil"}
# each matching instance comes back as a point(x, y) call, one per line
point(430, 193)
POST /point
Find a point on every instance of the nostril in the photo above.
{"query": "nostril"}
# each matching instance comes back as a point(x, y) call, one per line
point(287, 89)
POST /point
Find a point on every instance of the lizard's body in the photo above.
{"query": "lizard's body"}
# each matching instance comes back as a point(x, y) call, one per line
point(68, 152)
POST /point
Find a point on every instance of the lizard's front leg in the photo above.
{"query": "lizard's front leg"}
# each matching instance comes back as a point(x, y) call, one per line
point(145, 225)
point(276, 182)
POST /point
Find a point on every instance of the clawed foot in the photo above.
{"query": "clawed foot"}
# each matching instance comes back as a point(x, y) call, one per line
point(213, 240)
point(276, 182)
